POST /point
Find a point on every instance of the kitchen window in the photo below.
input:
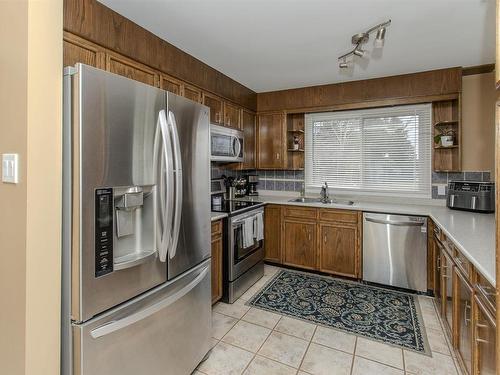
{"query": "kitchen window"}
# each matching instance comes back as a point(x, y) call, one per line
point(381, 151)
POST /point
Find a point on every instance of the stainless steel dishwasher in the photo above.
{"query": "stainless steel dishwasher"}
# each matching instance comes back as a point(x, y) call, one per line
point(395, 250)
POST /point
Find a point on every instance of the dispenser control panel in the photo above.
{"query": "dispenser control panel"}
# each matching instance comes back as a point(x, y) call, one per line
point(103, 231)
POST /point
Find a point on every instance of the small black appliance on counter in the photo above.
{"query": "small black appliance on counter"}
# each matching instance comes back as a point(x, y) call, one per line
point(471, 196)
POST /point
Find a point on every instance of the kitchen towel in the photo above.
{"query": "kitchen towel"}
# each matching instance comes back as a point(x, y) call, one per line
point(259, 227)
point(248, 232)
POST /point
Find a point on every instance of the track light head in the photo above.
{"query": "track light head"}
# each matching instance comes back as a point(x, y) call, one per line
point(358, 51)
point(380, 38)
point(343, 64)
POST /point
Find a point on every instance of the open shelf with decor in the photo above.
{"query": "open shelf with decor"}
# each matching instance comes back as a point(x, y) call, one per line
point(447, 136)
point(295, 132)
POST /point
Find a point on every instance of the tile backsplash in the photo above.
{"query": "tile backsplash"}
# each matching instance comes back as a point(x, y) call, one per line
point(288, 180)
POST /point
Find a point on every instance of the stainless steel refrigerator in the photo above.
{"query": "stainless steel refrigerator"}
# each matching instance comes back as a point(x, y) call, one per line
point(136, 235)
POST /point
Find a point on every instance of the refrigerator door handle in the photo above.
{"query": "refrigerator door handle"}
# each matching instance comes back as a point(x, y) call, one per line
point(166, 207)
point(116, 325)
point(178, 184)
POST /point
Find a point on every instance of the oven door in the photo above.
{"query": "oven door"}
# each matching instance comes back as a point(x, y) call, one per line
point(226, 144)
point(241, 257)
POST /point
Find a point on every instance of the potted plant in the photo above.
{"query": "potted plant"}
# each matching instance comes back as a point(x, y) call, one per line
point(445, 137)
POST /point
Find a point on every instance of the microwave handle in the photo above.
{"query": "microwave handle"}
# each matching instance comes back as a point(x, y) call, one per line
point(236, 146)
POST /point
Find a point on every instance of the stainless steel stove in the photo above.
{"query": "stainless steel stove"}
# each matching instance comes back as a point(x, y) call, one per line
point(243, 263)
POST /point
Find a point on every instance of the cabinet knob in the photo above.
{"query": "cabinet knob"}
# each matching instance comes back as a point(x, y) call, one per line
point(324, 238)
point(277, 156)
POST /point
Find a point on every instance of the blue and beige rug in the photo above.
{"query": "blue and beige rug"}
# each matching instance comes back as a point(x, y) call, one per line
point(384, 315)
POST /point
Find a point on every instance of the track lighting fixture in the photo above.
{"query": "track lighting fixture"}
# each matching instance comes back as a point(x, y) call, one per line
point(359, 39)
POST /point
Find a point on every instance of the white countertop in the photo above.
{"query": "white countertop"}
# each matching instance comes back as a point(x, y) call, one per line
point(214, 216)
point(472, 233)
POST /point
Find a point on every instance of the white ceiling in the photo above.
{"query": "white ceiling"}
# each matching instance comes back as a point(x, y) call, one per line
point(277, 44)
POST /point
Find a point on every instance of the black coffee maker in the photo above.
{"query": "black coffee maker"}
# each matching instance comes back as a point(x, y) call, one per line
point(252, 182)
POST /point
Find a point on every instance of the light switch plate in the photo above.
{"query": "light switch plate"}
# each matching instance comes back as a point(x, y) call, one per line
point(441, 189)
point(10, 167)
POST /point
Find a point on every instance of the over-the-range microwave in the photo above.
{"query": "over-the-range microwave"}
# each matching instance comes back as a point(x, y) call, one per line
point(226, 144)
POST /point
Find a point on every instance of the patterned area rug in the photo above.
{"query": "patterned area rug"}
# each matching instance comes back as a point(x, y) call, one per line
point(380, 314)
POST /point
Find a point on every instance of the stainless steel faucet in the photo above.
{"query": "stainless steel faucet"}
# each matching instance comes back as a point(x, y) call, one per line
point(325, 195)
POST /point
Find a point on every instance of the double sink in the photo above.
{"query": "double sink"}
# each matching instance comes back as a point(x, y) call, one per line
point(321, 200)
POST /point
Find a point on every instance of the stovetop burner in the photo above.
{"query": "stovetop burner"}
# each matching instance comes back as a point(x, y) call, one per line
point(232, 207)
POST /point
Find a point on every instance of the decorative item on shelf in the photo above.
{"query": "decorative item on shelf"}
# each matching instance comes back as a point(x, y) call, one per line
point(296, 142)
point(445, 137)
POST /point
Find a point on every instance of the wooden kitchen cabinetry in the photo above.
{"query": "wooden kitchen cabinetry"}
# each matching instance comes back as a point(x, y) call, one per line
point(216, 268)
point(326, 240)
point(216, 106)
point(467, 304)
point(299, 241)
point(232, 115)
point(131, 69)
point(192, 93)
point(484, 344)
point(78, 50)
point(271, 142)
point(171, 84)
point(463, 324)
point(248, 123)
point(272, 233)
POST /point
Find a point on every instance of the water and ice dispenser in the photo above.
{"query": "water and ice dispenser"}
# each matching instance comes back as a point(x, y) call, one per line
point(124, 228)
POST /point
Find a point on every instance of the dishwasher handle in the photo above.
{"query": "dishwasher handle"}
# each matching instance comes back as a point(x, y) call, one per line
point(397, 223)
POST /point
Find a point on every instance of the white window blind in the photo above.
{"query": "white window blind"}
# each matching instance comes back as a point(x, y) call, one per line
point(378, 151)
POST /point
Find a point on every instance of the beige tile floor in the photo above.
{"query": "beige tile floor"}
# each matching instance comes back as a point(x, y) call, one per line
point(251, 341)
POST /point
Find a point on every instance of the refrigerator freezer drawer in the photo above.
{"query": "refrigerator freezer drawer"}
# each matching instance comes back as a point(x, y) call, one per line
point(166, 331)
point(395, 250)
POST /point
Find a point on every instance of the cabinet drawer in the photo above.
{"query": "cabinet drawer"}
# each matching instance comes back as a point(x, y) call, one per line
point(216, 228)
point(342, 216)
point(486, 292)
point(461, 261)
point(300, 212)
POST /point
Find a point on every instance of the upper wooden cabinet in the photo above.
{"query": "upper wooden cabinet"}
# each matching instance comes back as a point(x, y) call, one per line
point(248, 122)
point(216, 106)
point(171, 84)
point(78, 50)
point(446, 116)
point(272, 233)
point(131, 69)
point(192, 93)
point(271, 145)
point(232, 115)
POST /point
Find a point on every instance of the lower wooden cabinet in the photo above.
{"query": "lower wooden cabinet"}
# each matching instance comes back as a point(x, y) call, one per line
point(463, 323)
point(339, 249)
point(216, 269)
point(272, 233)
point(484, 344)
point(299, 241)
point(447, 290)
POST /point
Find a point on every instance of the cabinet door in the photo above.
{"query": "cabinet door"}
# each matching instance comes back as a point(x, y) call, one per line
point(463, 325)
point(270, 141)
point(339, 249)
point(232, 115)
point(447, 290)
point(78, 50)
point(216, 107)
point(272, 234)
point(437, 274)
point(484, 339)
point(299, 244)
point(216, 268)
point(131, 69)
point(171, 84)
point(248, 123)
point(192, 93)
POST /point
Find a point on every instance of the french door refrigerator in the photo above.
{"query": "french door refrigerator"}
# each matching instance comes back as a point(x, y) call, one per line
point(136, 235)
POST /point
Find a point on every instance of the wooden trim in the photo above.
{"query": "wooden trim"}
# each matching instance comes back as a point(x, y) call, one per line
point(393, 90)
point(98, 24)
point(478, 69)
